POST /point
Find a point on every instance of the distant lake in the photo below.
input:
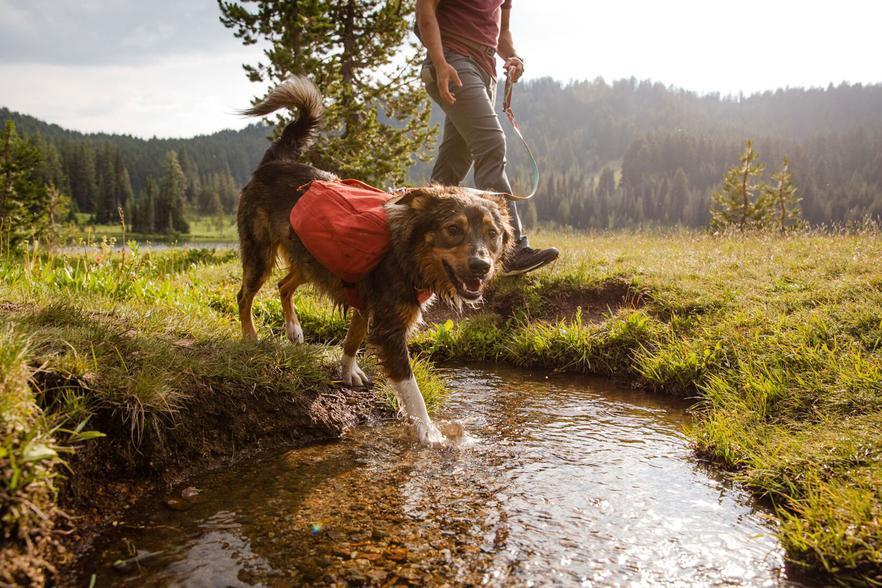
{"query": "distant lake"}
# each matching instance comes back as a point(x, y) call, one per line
point(154, 246)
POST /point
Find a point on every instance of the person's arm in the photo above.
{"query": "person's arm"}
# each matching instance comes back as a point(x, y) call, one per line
point(430, 35)
point(514, 65)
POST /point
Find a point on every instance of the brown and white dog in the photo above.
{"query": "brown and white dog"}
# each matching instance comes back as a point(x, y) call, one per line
point(444, 240)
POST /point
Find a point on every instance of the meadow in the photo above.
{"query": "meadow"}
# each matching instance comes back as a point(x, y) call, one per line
point(115, 367)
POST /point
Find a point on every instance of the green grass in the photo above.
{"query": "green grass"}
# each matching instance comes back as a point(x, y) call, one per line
point(28, 460)
point(779, 339)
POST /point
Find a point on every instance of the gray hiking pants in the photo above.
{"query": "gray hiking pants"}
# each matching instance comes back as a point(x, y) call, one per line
point(472, 133)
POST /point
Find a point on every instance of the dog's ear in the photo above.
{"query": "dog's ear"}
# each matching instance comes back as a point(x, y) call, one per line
point(505, 219)
point(417, 198)
point(411, 213)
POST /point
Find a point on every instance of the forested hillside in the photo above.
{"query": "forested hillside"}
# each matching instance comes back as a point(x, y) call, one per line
point(612, 155)
point(102, 171)
point(632, 153)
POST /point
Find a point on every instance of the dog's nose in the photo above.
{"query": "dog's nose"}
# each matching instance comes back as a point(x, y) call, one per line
point(479, 266)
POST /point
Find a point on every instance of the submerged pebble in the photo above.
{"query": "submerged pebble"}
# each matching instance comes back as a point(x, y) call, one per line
point(178, 504)
point(190, 493)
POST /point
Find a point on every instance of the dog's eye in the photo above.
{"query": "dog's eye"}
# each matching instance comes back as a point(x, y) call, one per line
point(493, 233)
point(454, 230)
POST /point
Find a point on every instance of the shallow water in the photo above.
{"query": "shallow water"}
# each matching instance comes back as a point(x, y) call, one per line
point(557, 480)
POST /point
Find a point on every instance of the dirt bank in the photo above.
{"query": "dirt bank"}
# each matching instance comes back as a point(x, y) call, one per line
point(550, 303)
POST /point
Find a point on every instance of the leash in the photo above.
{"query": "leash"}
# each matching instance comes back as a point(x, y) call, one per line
point(510, 115)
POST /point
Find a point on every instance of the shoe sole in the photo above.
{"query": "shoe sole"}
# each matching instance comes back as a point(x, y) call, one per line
point(528, 269)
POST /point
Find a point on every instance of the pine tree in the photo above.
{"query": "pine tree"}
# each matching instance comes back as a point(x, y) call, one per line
point(125, 196)
point(206, 198)
point(563, 212)
point(58, 207)
point(106, 204)
point(172, 190)
point(377, 115)
point(742, 202)
point(151, 199)
point(22, 196)
point(607, 182)
point(79, 162)
point(191, 173)
point(588, 201)
point(228, 191)
point(678, 196)
point(785, 203)
point(606, 185)
point(51, 170)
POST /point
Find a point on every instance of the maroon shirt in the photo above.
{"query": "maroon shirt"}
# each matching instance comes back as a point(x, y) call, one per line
point(477, 21)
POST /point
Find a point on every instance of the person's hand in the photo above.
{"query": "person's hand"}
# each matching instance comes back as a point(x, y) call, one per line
point(444, 74)
point(514, 68)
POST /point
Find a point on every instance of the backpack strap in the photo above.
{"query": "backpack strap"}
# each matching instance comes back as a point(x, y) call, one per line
point(353, 297)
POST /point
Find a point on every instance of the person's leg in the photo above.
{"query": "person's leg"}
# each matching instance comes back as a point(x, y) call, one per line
point(471, 122)
point(492, 86)
point(454, 158)
point(474, 118)
point(515, 219)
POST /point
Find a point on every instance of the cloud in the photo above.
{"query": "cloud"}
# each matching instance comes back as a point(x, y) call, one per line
point(726, 47)
point(167, 68)
point(173, 96)
point(170, 68)
point(104, 32)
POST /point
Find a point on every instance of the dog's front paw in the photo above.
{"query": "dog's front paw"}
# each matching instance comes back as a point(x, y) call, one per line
point(428, 434)
point(295, 333)
point(351, 373)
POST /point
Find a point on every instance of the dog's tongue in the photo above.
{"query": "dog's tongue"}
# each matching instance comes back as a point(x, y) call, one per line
point(473, 285)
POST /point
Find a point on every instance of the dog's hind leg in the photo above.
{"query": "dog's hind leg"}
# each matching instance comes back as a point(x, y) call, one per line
point(287, 286)
point(257, 265)
point(351, 373)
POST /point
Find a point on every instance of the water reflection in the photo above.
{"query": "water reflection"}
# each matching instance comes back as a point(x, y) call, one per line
point(558, 480)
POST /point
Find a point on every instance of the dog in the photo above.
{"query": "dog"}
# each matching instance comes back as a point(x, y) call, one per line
point(443, 240)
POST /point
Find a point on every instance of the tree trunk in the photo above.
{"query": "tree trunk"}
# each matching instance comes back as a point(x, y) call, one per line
point(347, 68)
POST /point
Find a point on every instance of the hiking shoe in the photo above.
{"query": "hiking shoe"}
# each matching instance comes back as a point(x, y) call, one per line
point(526, 259)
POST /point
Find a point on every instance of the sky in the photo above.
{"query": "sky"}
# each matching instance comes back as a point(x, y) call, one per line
point(169, 68)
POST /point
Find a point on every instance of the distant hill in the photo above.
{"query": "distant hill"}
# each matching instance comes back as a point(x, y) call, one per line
point(238, 151)
point(611, 154)
point(643, 133)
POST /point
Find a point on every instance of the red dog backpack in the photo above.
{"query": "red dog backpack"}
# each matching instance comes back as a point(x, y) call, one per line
point(344, 226)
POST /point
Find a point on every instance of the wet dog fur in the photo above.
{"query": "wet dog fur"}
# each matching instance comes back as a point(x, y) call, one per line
point(444, 240)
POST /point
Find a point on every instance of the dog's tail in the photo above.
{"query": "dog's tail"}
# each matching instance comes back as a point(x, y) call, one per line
point(297, 93)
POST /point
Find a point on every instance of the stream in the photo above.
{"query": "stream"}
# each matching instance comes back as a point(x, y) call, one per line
point(556, 480)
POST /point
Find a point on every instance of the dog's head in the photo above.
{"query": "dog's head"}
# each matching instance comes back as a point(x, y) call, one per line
point(450, 239)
